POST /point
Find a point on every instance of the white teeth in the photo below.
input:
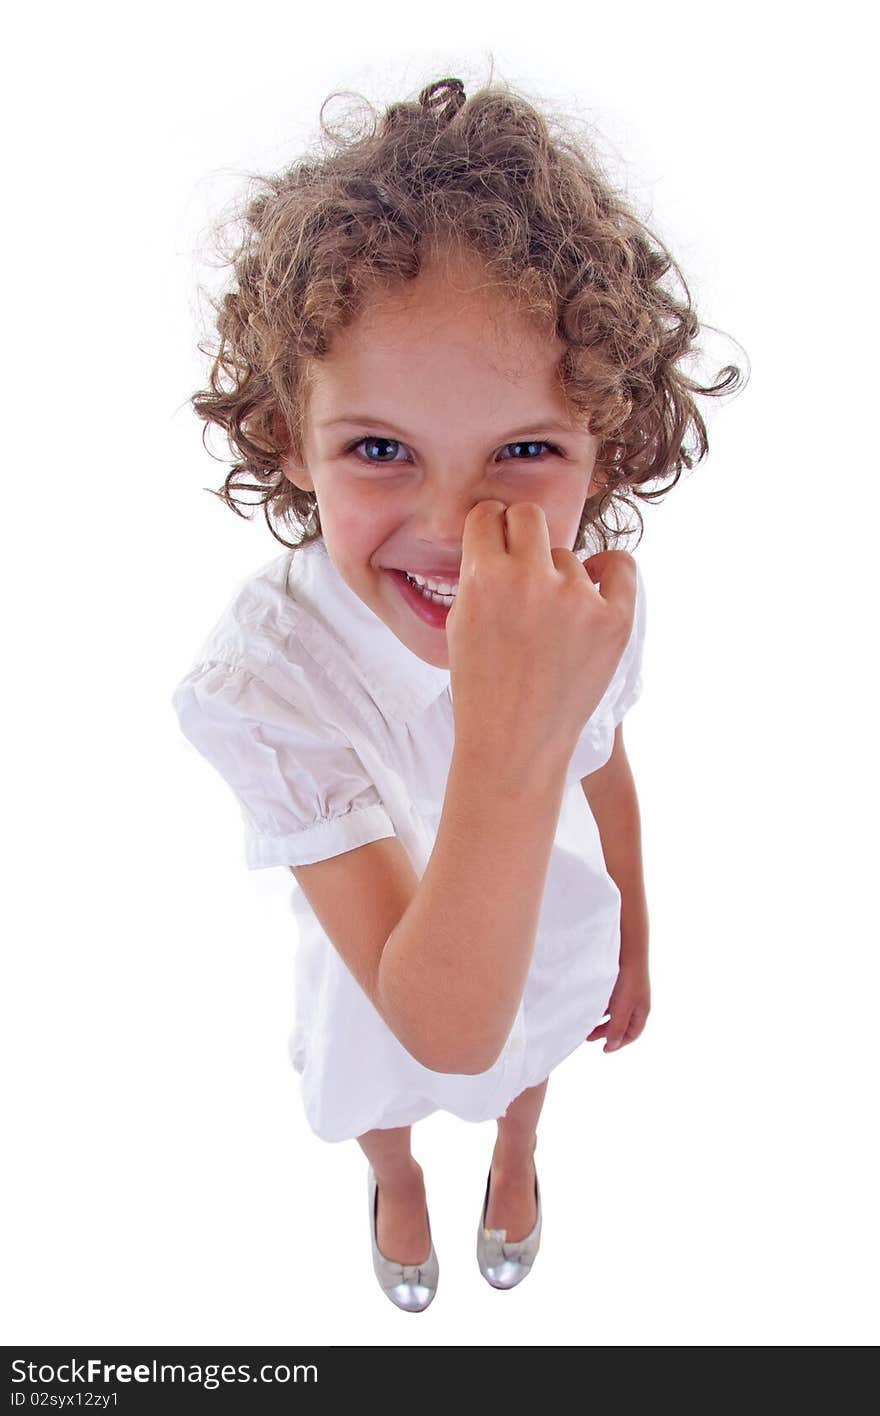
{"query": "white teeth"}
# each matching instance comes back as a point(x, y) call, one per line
point(440, 587)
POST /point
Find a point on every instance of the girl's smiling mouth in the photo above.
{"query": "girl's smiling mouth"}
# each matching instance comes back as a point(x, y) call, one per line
point(431, 607)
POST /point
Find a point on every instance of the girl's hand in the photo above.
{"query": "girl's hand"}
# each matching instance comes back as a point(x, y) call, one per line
point(629, 1006)
point(533, 643)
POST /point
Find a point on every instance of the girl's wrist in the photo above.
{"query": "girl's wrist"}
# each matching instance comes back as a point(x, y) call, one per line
point(634, 948)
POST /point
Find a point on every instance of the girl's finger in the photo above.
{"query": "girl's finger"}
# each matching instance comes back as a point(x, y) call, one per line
point(617, 1040)
point(619, 1035)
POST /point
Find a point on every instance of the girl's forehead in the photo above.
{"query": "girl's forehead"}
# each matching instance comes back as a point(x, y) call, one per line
point(451, 322)
point(392, 325)
point(421, 361)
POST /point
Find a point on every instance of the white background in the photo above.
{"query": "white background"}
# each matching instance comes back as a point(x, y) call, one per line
point(715, 1182)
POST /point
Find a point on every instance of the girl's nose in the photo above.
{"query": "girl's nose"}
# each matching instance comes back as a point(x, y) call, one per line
point(440, 526)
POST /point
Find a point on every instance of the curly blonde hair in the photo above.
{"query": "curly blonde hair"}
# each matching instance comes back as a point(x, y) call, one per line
point(485, 174)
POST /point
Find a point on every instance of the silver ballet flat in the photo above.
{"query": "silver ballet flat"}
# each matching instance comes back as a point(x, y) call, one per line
point(410, 1286)
point(503, 1264)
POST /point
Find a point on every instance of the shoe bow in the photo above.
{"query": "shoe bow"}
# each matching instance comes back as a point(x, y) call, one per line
point(411, 1273)
point(497, 1249)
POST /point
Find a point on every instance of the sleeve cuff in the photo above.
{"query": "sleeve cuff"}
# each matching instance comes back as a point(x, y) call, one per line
point(357, 827)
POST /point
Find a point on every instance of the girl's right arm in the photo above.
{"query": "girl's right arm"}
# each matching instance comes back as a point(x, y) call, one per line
point(453, 970)
point(445, 959)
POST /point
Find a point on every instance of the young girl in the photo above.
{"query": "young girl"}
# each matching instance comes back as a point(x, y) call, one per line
point(446, 356)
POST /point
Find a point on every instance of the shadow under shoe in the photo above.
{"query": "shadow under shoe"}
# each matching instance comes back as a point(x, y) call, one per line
point(505, 1264)
point(409, 1286)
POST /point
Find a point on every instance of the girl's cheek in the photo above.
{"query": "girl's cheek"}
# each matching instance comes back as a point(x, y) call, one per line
point(359, 526)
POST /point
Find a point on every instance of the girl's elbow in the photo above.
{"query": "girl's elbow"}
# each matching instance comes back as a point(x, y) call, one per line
point(457, 1062)
point(448, 1055)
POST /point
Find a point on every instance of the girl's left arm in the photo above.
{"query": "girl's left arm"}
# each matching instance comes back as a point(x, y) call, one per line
point(611, 793)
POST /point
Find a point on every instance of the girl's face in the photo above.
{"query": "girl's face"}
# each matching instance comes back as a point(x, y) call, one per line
point(436, 398)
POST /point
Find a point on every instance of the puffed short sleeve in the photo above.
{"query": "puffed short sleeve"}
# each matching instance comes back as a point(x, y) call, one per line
point(303, 793)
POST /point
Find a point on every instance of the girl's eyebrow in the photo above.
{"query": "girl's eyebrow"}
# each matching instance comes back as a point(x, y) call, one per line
point(540, 425)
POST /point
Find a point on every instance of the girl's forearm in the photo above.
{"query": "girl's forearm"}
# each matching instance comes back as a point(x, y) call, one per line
point(618, 820)
point(453, 971)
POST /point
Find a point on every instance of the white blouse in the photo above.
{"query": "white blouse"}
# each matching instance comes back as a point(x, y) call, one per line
point(331, 734)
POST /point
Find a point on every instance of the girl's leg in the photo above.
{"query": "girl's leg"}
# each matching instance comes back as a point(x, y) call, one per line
point(401, 1222)
point(512, 1186)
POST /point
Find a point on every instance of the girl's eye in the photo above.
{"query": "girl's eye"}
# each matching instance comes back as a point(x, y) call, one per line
point(518, 457)
point(369, 438)
point(552, 446)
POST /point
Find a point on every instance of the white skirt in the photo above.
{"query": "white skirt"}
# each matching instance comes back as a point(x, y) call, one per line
point(356, 1076)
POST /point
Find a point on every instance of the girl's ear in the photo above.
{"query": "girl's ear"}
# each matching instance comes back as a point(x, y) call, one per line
point(296, 473)
point(293, 470)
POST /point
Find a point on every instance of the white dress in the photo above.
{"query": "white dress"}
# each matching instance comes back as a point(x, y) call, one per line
point(331, 734)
